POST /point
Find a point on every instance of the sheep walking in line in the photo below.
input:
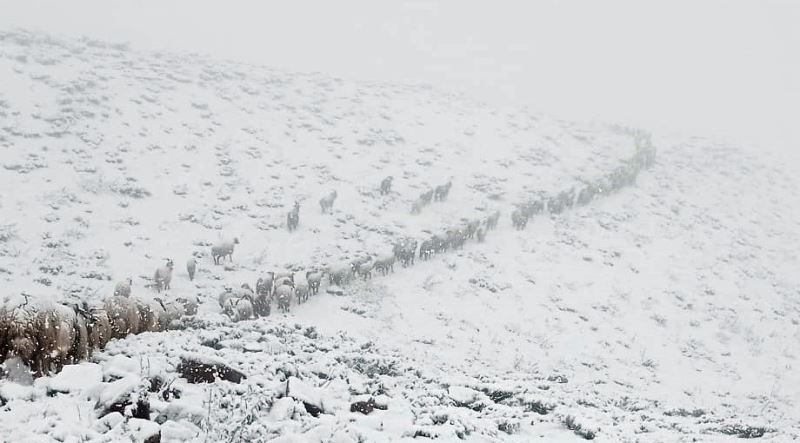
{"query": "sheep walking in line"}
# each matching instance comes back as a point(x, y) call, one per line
point(426, 197)
point(364, 270)
point(385, 263)
point(386, 185)
point(284, 294)
point(314, 278)
point(301, 290)
point(191, 267)
point(519, 219)
point(123, 316)
point(442, 191)
point(326, 203)
point(481, 234)
point(223, 249)
point(491, 221)
point(123, 288)
point(293, 217)
point(163, 276)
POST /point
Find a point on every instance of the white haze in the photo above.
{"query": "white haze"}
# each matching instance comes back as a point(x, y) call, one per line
point(722, 68)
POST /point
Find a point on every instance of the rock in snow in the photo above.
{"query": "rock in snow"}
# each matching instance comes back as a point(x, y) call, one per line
point(202, 369)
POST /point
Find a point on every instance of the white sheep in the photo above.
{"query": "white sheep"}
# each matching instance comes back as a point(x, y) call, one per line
point(191, 267)
point(238, 309)
point(284, 295)
point(326, 203)
point(123, 288)
point(301, 291)
point(163, 276)
point(223, 249)
point(123, 316)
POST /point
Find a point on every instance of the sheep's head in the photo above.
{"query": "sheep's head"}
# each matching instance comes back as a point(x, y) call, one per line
point(170, 264)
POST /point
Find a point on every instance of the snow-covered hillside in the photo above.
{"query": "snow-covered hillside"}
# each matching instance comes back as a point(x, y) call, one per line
point(667, 311)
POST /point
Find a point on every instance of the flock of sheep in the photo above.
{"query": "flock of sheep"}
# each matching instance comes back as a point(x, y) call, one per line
point(46, 337)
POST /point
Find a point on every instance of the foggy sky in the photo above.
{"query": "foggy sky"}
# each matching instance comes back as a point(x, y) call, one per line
point(718, 67)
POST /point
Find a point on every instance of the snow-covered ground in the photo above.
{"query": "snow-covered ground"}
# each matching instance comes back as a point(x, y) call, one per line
point(669, 311)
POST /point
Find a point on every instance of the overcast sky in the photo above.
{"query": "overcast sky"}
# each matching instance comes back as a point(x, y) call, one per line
point(718, 67)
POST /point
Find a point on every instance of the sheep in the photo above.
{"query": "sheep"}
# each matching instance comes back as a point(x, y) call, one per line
point(365, 269)
point(416, 207)
point(426, 249)
point(555, 205)
point(519, 219)
point(150, 313)
point(57, 335)
point(293, 217)
point(440, 192)
point(173, 310)
point(284, 295)
point(190, 304)
point(314, 278)
point(261, 301)
point(405, 251)
point(491, 221)
point(98, 326)
point(281, 281)
point(326, 203)
point(456, 238)
point(224, 296)
point(264, 285)
point(163, 276)
point(123, 316)
point(81, 349)
point(21, 326)
point(223, 249)
point(426, 197)
point(386, 185)
point(385, 263)
point(238, 308)
point(481, 234)
point(472, 228)
point(123, 288)
point(301, 291)
point(191, 267)
point(339, 274)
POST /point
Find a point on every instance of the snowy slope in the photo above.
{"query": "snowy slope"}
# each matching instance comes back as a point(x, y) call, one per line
point(666, 312)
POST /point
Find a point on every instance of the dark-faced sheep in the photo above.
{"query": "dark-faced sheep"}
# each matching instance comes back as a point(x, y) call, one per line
point(284, 294)
point(191, 267)
point(223, 249)
point(293, 217)
point(163, 276)
point(326, 203)
point(314, 279)
point(386, 185)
